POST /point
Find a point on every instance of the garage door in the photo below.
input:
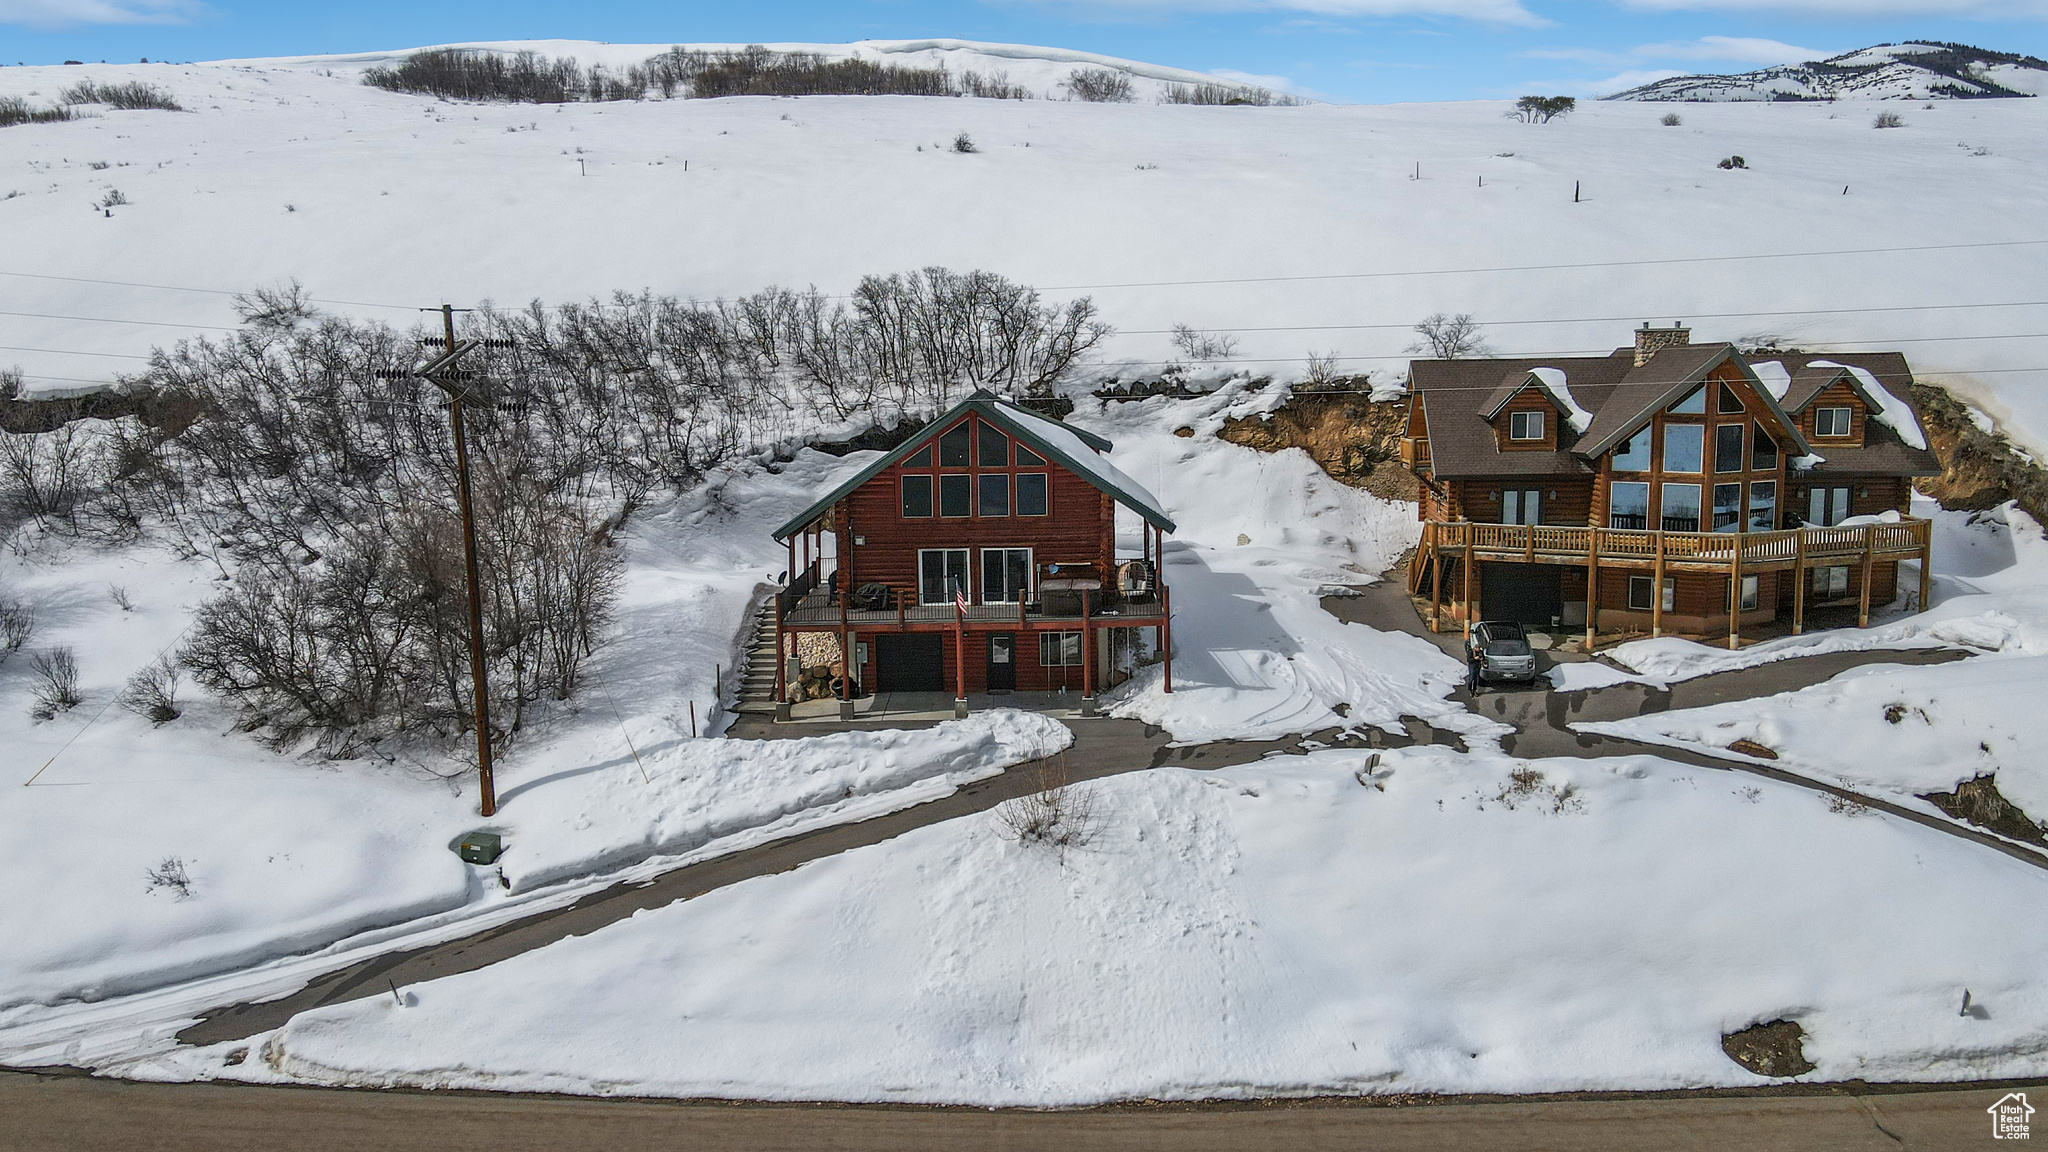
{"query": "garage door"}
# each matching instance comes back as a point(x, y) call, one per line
point(1529, 593)
point(915, 663)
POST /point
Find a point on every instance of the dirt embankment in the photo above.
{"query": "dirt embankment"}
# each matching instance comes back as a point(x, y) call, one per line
point(1979, 469)
point(1355, 440)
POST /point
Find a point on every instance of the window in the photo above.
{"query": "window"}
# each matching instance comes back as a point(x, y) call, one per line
point(922, 458)
point(995, 494)
point(1727, 507)
point(1763, 451)
point(1827, 506)
point(1693, 403)
point(1763, 505)
point(940, 571)
point(1831, 583)
point(1681, 508)
point(995, 448)
point(1521, 506)
point(1027, 456)
point(1831, 422)
point(955, 494)
point(1728, 448)
point(1683, 444)
point(1639, 592)
point(1727, 401)
point(1525, 425)
point(953, 445)
point(1005, 575)
point(1059, 649)
point(1628, 505)
point(1633, 454)
point(1749, 593)
point(1031, 491)
point(917, 496)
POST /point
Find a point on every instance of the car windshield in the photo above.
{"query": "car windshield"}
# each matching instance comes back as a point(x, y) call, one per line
point(1504, 640)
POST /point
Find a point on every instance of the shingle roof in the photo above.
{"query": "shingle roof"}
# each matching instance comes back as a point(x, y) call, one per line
point(1883, 452)
point(1072, 448)
point(1455, 394)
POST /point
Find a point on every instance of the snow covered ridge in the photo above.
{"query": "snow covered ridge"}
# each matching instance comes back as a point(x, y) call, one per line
point(1915, 70)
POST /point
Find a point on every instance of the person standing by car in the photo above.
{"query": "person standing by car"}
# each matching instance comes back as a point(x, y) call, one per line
point(1472, 667)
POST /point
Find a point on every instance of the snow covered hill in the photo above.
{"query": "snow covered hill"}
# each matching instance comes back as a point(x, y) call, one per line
point(1915, 70)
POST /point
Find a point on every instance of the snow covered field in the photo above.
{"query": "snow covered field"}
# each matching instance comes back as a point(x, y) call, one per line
point(294, 169)
point(1276, 928)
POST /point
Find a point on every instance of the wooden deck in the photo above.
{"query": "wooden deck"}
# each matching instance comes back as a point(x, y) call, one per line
point(818, 611)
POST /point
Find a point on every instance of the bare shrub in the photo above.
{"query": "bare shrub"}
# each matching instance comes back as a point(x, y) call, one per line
point(1198, 345)
point(1888, 120)
point(1099, 85)
point(1225, 95)
point(15, 110)
point(995, 86)
point(134, 96)
point(56, 689)
point(152, 693)
point(1322, 373)
point(17, 624)
point(171, 876)
point(1056, 815)
point(1671, 120)
point(278, 309)
point(964, 143)
point(118, 593)
point(114, 199)
point(473, 74)
point(756, 71)
point(1450, 337)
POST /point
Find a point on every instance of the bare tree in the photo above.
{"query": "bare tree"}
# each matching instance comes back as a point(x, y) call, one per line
point(278, 309)
point(1196, 344)
point(1099, 85)
point(152, 693)
point(1450, 337)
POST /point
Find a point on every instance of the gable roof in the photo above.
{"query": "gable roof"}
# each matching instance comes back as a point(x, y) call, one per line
point(1670, 374)
point(1884, 450)
point(1457, 395)
point(1075, 449)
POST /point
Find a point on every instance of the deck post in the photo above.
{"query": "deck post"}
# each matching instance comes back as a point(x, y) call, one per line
point(1436, 582)
point(960, 665)
point(1592, 585)
point(1925, 530)
point(1863, 594)
point(849, 647)
point(1657, 588)
point(1166, 632)
point(1799, 582)
point(1087, 658)
point(1735, 595)
point(1471, 562)
point(781, 665)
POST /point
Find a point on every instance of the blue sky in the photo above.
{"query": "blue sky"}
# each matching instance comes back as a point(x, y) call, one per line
point(1350, 50)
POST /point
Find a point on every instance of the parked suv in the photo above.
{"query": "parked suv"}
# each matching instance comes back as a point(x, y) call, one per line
point(1502, 650)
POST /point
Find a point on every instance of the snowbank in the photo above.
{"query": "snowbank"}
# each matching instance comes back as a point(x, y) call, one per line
point(1279, 928)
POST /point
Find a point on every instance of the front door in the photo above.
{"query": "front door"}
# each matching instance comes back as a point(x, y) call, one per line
point(1002, 662)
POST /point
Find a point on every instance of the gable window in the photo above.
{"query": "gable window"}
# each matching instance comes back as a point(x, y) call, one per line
point(1525, 425)
point(1763, 451)
point(1833, 422)
point(1728, 448)
point(1683, 446)
point(922, 458)
point(1831, 583)
point(1059, 649)
point(917, 497)
point(1681, 511)
point(940, 572)
point(1027, 456)
point(1727, 401)
point(1031, 491)
point(1827, 506)
point(1727, 507)
point(953, 445)
point(1633, 454)
point(956, 494)
point(1628, 505)
point(995, 494)
point(1763, 505)
point(1750, 585)
point(1005, 575)
point(1521, 506)
point(1693, 403)
point(995, 448)
point(1639, 592)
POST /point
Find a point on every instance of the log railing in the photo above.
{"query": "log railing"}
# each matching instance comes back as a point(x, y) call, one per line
point(1554, 543)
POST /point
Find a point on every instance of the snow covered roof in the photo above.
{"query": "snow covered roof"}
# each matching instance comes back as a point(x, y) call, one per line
point(1668, 376)
point(1075, 449)
point(1553, 383)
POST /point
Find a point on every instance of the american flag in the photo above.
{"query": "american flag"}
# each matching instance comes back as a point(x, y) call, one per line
point(960, 599)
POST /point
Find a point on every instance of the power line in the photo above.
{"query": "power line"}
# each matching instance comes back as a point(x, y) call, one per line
point(110, 320)
point(71, 352)
point(1599, 319)
point(188, 288)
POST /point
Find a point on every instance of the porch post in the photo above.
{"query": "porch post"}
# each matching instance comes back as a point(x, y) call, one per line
point(1799, 582)
point(781, 665)
point(1087, 658)
point(1471, 562)
point(1925, 530)
point(1735, 596)
point(1657, 588)
point(1863, 594)
point(1166, 632)
point(1592, 585)
point(849, 648)
point(1436, 580)
point(960, 665)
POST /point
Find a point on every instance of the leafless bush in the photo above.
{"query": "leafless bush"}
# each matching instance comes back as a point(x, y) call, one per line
point(1322, 371)
point(15, 110)
point(1099, 85)
point(114, 198)
point(118, 593)
point(130, 97)
point(152, 693)
point(1888, 120)
point(1057, 815)
point(1198, 345)
point(56, 690)
point(755, 71)
point(995, 86)
point(964, 143)
point(172, 877)
point(1450, 337)
point(278, 309)
point(1225, 95)
point(472, 74)
point(1671, 120)
point(17, 624)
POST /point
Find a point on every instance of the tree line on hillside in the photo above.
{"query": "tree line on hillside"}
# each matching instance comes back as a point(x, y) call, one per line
point(323, 491)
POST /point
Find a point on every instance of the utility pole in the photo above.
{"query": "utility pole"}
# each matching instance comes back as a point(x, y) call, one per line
point(441, 371)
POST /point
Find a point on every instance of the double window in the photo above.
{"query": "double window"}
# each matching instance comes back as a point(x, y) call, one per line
point(1639, 592)
point(995, 492)
point(1005, 575)
point(1059, 649)
point(1831, 583)
point(1827, 506)
point(1525, 425)
point(1521, 506)
point(1831, 422)
point(940, 573)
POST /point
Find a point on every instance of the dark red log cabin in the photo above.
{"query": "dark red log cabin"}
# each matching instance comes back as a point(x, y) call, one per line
point(979, 556)
point(1669, 487)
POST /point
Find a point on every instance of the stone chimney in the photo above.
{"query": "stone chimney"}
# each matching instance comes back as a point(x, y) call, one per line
point(1650, 341)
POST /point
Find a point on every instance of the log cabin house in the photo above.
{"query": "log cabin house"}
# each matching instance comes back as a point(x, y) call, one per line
point(1670, 487)
point(978, 556)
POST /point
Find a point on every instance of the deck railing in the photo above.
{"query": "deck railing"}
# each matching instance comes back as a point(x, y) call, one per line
point(1906, 538)
point(821, 608)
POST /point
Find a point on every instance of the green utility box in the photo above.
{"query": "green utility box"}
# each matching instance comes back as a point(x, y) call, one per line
point(480, 848)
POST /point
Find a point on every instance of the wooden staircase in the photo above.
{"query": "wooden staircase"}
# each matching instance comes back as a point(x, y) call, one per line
point(757, 679)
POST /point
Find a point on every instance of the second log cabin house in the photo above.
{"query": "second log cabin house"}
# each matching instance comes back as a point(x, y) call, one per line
point(1669, 487)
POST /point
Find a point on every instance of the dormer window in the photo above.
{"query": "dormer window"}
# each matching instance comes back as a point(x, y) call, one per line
point(1832, 422)
point(1525, 425)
